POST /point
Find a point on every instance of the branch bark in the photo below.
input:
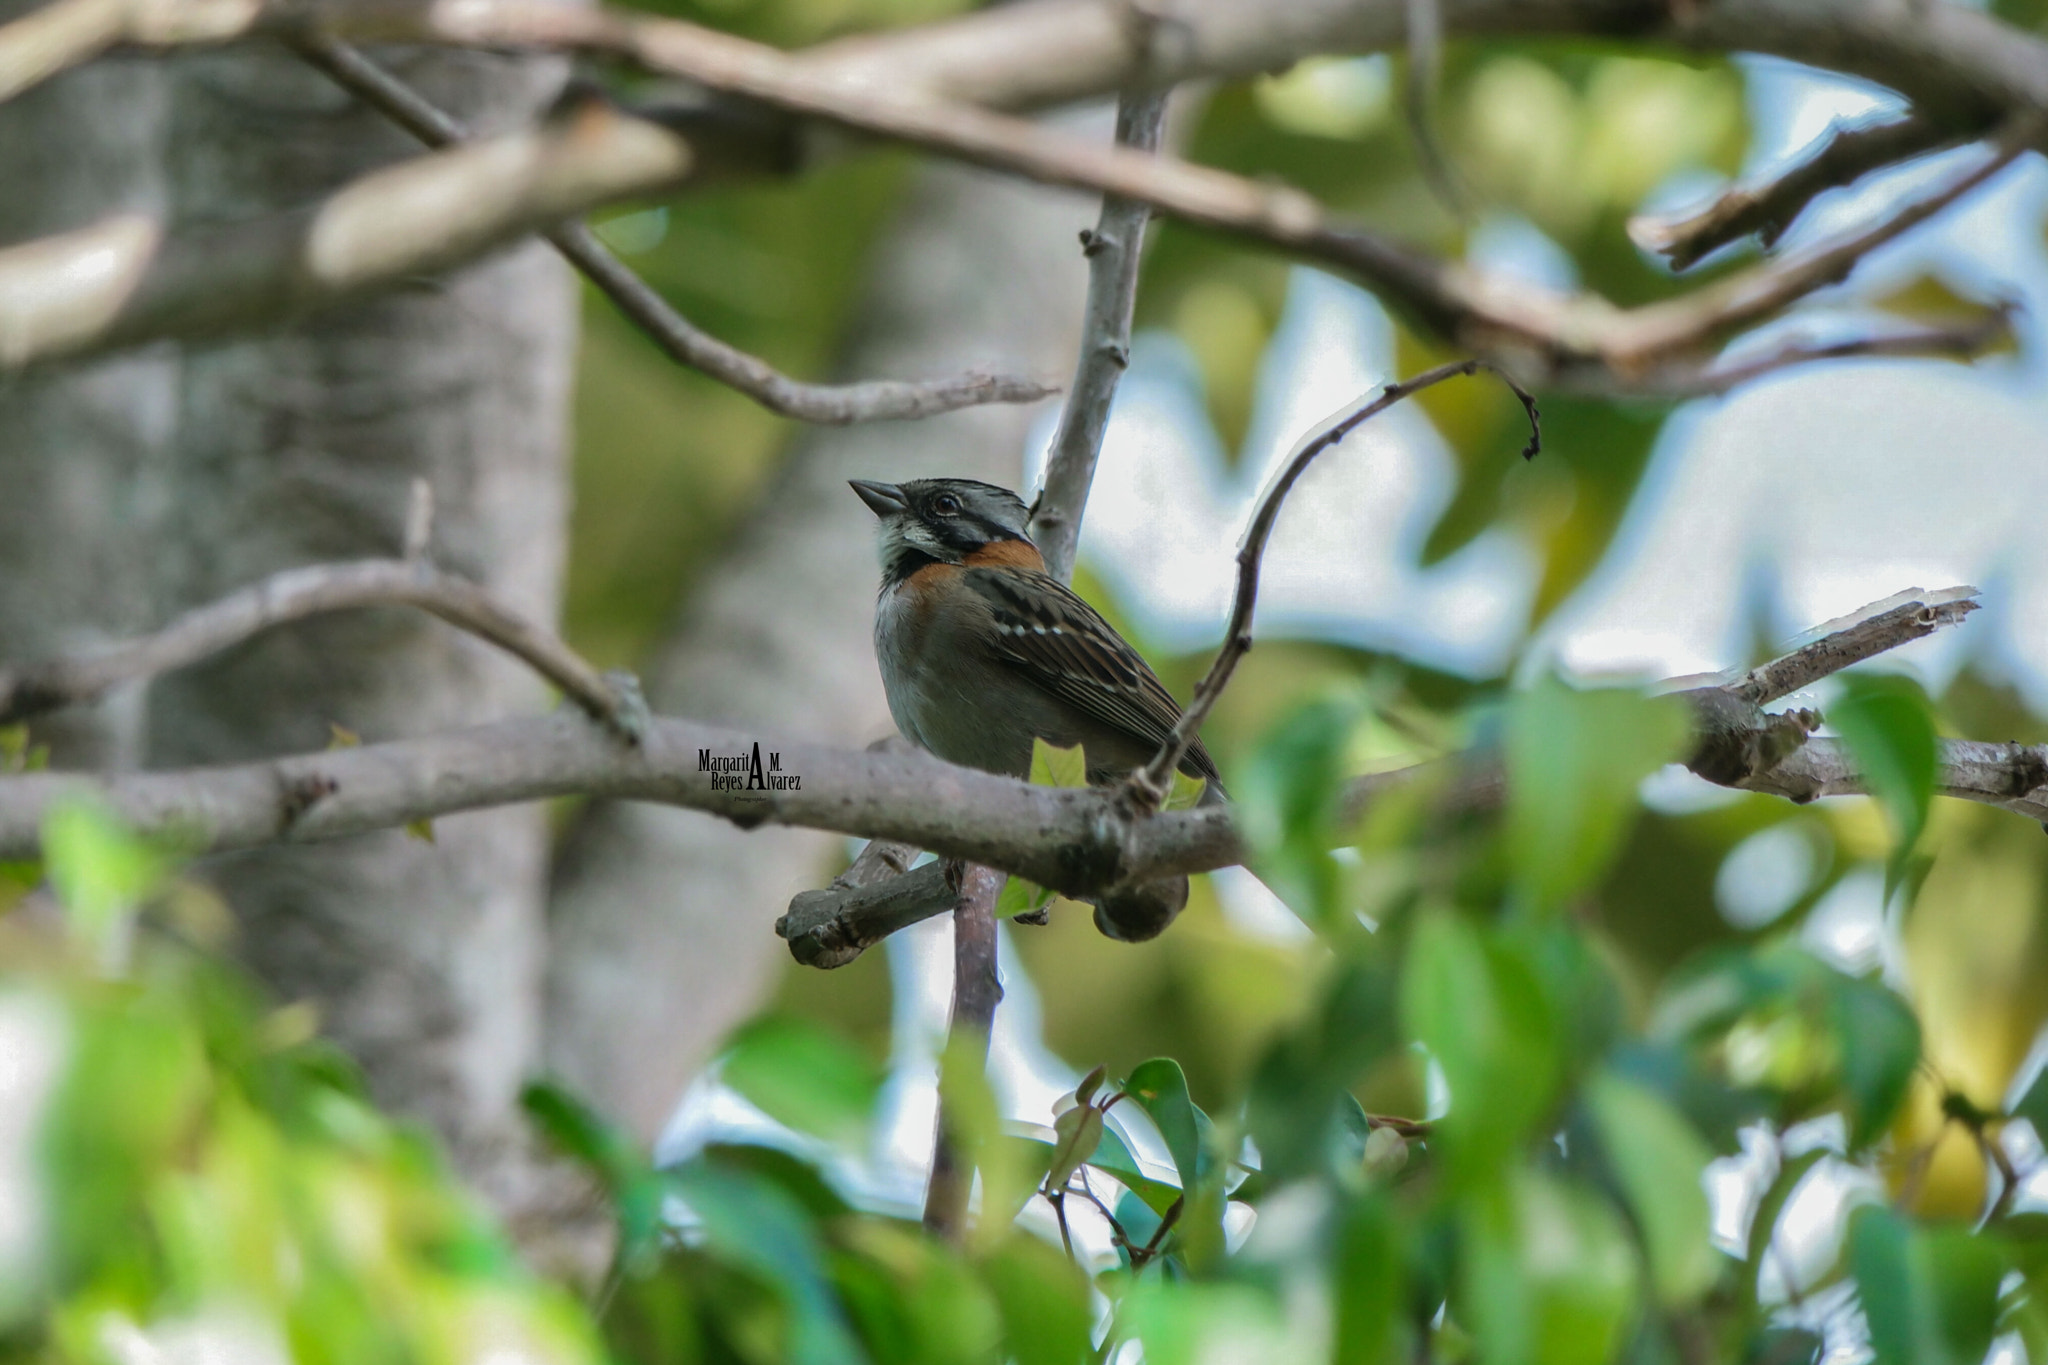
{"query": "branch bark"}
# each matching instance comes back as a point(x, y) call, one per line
point(681, 340)
point(1114, 250)
point(296, 594)
point(1079, 841)
point(1767, 209)
point(1572, 341)
point(977, 990)
point(1737, 746)
point(126, 280)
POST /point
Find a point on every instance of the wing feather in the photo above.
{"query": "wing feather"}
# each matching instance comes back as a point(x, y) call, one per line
point(1064, 646)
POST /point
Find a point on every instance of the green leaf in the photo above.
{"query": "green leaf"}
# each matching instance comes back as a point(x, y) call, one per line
point(1186, 1322)
point(754, 1224)
point(1880, 1047)
point(1186, 792)
point(1009, 1166)
point(1044, 1300)
point(1079, 1132)
point(1658, 1160)
point(102, 874)
point(1477, 1006)
point(1113, 1158)
point(1055, 767)
point(1763, 1223)
point(1574, 761)
point(2033, 1104)
point(1020, 897)
point(1161, 1089)
point(17, 755)
point(802, 1076)
point(1886, 724)
point(1370, 1275)
point(1930, 1297)
point(1289, 800)
point(628, 1177)
point(1549, 1276)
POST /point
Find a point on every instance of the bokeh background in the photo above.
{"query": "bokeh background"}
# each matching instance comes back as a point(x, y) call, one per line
point(1420, 576)
point(1423, 563)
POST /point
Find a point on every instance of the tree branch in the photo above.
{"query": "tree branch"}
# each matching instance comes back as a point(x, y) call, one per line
point(1767, 209)
point(1962, 341)
point(1079, 841)
point(1911, 615)
point(315, 590)
point(977, 991)
point(678, 337)
point(1572, 341)
point(124, 280)
point(1149, 783)
point(1736, 746)
point(1114, 250)
point(832, 927)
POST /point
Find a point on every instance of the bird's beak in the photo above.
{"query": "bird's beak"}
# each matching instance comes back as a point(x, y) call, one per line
point(884, 499)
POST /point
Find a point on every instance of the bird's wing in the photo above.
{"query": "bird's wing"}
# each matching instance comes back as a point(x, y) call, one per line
point(1063, 645)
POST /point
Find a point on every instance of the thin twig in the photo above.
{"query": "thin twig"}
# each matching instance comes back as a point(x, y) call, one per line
point(680, 339)
point(315, 590)
point(976, 992)
point(1142, 1256)
point(1766, 210)
point(1964, 341)
point(1113, 251)
point(1149, 783)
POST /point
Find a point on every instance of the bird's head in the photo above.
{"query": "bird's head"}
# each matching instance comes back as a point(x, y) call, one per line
point(942, 521)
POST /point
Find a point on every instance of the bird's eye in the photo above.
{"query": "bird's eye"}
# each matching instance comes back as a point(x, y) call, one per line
point(946, 505)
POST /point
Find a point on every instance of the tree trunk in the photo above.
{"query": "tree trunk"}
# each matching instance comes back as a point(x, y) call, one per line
point(144, 485)
point(81, 473)
point(663, 919)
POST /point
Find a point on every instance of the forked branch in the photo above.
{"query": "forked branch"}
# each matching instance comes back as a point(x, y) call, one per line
point(1765, 210)
point(682, 340)
point(1149, 784)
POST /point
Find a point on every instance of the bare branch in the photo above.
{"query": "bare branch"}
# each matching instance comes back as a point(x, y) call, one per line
point(124, 280)
point(1963, 341)
point(832, 927)
point(1736, 746)
point(1113, 250)
point(1079, 841)
point(976, 993)
point(1881, 626)
point(1690, 320)
point(1767, 209)
point(295, 595)
point(1574, 341)
point(1149, 783)
point(678, 337)
point(56, 38)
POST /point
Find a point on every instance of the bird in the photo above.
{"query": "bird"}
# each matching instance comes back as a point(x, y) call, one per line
point(982, 652)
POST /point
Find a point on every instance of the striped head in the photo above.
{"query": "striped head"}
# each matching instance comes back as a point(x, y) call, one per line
point(940, 521)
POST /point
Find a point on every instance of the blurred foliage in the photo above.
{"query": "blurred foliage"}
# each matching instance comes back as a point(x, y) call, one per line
point(200, 1175)
point(1584, 1006)
point(185, 1174)
point(1466, 1105)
